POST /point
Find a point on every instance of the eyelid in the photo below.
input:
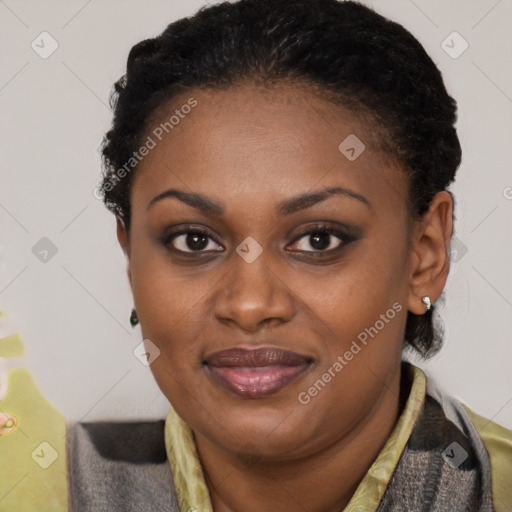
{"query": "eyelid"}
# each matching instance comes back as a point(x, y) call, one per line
point(320, 227)
point(185, 230)
point(343, 233)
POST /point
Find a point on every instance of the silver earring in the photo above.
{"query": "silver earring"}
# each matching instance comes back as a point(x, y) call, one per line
point(426, 302)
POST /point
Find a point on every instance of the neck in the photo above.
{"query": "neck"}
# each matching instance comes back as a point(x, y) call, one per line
point(323, 481)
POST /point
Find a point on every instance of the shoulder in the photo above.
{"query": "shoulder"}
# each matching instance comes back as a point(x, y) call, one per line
point(139, 442)
point(498, 443)
point(119, 466)
point(492, 443)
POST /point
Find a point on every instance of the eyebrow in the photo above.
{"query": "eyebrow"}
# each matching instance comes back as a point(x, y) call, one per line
point(286, 207)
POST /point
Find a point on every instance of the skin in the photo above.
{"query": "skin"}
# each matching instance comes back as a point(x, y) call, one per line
point(250, 148)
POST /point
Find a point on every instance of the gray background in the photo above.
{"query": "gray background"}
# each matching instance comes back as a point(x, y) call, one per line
point(72, 310)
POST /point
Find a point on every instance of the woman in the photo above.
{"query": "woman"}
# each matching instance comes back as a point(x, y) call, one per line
point(279, 172)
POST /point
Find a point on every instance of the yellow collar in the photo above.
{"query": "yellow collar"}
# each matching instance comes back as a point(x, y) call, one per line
point(190, 484)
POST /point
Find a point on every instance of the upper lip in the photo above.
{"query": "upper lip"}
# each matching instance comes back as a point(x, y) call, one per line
point(254, 358)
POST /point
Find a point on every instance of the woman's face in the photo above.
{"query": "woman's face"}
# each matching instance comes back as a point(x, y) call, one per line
point(271, 334)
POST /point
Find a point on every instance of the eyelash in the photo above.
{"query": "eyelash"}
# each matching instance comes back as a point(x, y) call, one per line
point(344, 237)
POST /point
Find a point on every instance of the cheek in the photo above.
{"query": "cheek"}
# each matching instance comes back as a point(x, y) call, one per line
point(364, 307)
point(366, 317)
point(165, 297)
point(171, 310)
point(164, 292)
point(355, 294)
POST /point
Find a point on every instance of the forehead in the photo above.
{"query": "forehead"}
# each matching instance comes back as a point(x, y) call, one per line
point(250, 144)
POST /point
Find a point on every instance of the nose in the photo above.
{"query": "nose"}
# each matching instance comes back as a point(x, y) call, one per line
point(253, 294)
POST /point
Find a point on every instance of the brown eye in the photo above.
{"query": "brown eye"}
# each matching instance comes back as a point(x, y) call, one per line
point(321, 239)
point(192, 240)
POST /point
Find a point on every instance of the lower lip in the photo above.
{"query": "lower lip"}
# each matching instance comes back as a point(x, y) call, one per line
point(256, 382)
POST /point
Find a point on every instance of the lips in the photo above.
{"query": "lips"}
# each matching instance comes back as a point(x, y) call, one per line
point(258, 372)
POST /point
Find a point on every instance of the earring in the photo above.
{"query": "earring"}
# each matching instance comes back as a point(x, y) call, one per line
point(134, 320)
point(426, 302)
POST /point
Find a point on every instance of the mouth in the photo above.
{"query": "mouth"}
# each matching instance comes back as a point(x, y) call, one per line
point(258, 372)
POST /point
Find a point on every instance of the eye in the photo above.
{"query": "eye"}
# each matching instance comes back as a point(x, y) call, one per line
point(320, 239)
point(192, 240)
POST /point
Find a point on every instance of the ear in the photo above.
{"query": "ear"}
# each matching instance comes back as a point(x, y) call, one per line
point(430, 253)
point(123, 239)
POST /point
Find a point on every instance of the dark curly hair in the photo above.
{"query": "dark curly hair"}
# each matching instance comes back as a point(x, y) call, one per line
point(363, 61)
